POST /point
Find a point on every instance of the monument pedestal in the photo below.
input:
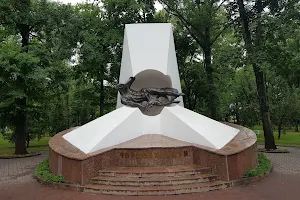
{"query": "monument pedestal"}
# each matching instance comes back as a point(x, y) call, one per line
point(168, 150)
point(150, 152)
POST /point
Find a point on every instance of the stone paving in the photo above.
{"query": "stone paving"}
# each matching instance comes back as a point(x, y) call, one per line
point(18, 170)
point(16, 183)
point(287, 163)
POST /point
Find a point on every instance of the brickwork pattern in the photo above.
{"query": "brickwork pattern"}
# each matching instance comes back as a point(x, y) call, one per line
point(18, 170)
point(16, 183)
point(287, 163)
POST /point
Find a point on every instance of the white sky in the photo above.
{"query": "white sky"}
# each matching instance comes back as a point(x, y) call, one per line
point(70, 1)
point(158, 6)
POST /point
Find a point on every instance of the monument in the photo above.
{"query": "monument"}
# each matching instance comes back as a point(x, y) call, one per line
point(151, 140)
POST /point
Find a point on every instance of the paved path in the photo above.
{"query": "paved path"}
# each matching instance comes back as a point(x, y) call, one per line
point(16, 183)
point(287, 163)
point(19, 170)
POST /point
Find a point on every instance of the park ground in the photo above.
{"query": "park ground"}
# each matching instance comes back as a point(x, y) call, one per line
point(288, 138)
point(36, 145)
point(17, 183)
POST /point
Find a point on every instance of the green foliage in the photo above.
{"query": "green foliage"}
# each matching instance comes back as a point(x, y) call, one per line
point(8, 135)
point(203, 23)
point(264, 165)
point(290, 138)
point(42, 171)
point(72, 50)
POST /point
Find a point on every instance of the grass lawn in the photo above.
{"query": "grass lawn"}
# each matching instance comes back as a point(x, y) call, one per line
point(290, 138)
point(34, 145)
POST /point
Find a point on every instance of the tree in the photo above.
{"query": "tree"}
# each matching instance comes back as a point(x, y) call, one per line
point(253, 40)
point(20, 100)
point(230, 74)
point(94, 50)
point(282, 45)
point(191, 72)
point(205, 23)
point(284, 102)
point(254, 22)
point(32, 55)
point(102, 37)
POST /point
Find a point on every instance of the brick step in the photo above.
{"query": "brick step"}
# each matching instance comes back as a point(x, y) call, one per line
point(157, 190)
point(167, 171)
point(154, 181)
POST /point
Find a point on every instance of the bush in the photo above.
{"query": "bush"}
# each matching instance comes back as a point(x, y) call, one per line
point(8, 134)
point(42, 171)
point(263, 167)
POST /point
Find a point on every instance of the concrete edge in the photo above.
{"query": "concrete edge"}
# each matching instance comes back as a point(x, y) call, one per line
point(21, 156)
point(63, 186)
point(283, 145)
point(292, 146)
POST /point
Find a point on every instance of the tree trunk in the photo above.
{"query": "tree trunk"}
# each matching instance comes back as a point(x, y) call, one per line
point(78, 119)
point(189, 104)
point(279, 128)
point(187, 98)
point(212, 97)
point(297, 126)
point(20, 127)
point(264, 108)
point(21, 104)
point(68, 110)
point(238, 119)
point(259, 75)
point(195, 103)
point(102, 97)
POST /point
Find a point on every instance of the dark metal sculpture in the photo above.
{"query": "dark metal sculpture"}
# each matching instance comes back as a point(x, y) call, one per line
point(146, 98)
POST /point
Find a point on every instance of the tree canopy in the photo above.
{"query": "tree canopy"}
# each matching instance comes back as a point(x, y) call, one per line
point(239, 61)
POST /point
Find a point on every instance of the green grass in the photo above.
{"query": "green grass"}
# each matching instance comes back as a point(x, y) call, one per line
point(264, 165)
point(289, 138)
point(36, 145)
point(257, 127)
point(43, 172)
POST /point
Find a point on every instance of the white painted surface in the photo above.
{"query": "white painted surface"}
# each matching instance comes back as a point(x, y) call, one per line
point(128, 123)
point(172, 68)
point(151, 124)
point(174, 127)
point(192, 125)
point(150, 46)
point(88, 136)
point(130, 128)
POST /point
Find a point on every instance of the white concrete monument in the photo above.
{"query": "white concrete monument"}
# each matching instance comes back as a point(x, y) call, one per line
point(149, 56)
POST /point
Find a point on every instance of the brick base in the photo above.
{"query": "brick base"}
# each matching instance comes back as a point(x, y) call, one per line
point(230, 162)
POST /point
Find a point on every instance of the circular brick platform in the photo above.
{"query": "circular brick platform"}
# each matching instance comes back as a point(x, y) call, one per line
point(152, 151)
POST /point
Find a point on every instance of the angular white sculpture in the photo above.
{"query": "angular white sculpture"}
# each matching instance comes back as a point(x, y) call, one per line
point(149, 55)
point(149, 47)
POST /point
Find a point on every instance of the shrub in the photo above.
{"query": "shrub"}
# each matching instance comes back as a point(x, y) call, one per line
point(42, 171)
point(263, 167)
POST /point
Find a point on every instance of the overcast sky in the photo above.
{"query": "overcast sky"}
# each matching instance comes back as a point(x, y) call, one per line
point(70, 1)
point(157, 5)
